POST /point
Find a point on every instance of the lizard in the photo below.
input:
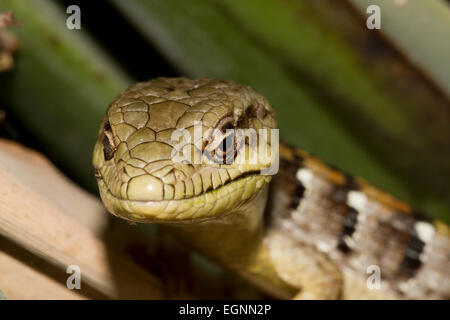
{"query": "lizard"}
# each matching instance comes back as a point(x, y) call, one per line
point(304, 231)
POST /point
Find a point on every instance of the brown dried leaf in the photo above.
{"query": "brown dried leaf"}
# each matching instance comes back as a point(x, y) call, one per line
point(7, 19)
point(8, 42)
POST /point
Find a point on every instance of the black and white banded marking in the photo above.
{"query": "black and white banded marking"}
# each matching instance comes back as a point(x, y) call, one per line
point(422, 233)
point(357, 203)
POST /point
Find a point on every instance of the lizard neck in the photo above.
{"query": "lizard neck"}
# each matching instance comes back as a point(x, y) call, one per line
point(233, 237)
point(237, 241)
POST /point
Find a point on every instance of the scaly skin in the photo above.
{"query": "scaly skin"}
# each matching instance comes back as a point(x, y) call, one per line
point(323, 229)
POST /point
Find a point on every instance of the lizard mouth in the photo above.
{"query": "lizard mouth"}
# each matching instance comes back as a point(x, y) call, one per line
point(204, 206)
point(210, 190)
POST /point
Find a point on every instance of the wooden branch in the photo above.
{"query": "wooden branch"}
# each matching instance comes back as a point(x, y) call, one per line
point(50, 217)
point(34, 171)
point(20, 281)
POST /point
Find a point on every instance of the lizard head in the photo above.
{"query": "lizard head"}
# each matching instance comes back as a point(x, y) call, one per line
point(181, 150)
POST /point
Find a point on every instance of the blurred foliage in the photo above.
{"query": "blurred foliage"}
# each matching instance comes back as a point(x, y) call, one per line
point(60, 86)
point(421, 30)
point(341, 91)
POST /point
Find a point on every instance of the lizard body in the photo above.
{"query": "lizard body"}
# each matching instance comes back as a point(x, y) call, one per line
point(308, 232)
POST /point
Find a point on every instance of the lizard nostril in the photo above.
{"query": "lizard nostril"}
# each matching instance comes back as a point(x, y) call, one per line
point(97, 174)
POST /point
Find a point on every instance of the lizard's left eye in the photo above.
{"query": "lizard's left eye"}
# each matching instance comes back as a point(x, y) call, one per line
point(223, 146)
point(227, 149)
point(108, 142)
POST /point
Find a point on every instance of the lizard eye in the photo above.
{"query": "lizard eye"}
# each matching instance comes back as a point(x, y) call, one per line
point(108, 142)
point(227, 150)
point(223, 147)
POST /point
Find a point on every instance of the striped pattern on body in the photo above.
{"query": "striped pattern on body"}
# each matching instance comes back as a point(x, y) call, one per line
point(358, 226)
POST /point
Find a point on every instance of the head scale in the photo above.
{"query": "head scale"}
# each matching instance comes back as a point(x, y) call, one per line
point(175, 149)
